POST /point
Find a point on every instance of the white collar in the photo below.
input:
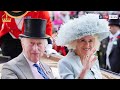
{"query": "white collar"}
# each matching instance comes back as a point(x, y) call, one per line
point(115, 35)
point(30, 62)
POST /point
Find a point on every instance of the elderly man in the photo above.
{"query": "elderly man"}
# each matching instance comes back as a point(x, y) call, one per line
point(11, 26)
point(28, 65)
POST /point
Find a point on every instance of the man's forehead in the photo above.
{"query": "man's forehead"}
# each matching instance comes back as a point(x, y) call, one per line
point(34, 39)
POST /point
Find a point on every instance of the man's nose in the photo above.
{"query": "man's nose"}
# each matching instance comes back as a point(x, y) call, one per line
point(35, 47)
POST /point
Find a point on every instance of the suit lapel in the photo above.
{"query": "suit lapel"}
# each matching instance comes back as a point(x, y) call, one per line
point(24, 67)
point(112, 50)
point(47, 70)
point(114, 46)
point(105, 44)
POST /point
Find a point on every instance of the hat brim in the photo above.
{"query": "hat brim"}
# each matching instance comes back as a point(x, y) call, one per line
point(102, 35)
point(25, 36)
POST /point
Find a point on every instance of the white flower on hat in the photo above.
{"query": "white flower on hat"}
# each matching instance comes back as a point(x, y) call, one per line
point(88, 24)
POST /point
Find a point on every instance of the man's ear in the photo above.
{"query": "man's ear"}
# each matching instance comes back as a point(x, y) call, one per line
point(22, 40)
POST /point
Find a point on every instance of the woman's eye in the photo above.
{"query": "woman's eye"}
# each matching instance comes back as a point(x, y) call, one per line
point(82, 40)
point(91, 41)
point(39, 44)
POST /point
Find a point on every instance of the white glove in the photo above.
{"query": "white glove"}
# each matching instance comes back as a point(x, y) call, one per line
point(49, 50)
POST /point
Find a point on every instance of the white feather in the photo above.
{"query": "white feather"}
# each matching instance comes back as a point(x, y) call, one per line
point(89, 24)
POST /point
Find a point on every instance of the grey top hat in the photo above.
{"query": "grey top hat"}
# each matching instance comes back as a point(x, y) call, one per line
point(34, 28)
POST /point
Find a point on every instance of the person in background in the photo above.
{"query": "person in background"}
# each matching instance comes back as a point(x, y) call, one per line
point(72, 14)
point(82, 36)
point(64, 15)
point(81, 13)
point(28, 64)
point(62, 50)
point(109, 53)
point(57, 22)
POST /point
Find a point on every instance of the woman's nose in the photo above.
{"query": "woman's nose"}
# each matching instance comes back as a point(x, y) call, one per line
point(87, 44)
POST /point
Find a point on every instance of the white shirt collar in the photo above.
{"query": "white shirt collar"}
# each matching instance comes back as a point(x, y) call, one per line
point(115, 35)
point(34, 69)
point(30, 62)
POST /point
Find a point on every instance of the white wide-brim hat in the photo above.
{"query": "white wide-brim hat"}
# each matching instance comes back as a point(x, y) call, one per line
point(76, 28)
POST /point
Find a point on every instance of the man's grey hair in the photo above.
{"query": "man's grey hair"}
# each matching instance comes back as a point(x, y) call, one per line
point(45, 41)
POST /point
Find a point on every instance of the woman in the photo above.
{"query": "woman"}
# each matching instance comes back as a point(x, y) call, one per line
point(82, 36)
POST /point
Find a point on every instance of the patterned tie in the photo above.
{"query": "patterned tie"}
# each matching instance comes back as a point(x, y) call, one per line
point(40, 71)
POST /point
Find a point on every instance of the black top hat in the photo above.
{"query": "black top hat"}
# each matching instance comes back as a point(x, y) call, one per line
point(114, 22)
point(34, 28)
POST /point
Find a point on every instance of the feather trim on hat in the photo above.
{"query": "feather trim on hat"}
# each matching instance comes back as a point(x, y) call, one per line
point(76, 28)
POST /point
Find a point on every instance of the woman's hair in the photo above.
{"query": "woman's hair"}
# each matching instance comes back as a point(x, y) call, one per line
point(73, 44)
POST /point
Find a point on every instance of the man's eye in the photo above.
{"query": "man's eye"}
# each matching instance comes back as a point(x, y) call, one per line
point(39, 44)
point(31, 43)
point(91, 41)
